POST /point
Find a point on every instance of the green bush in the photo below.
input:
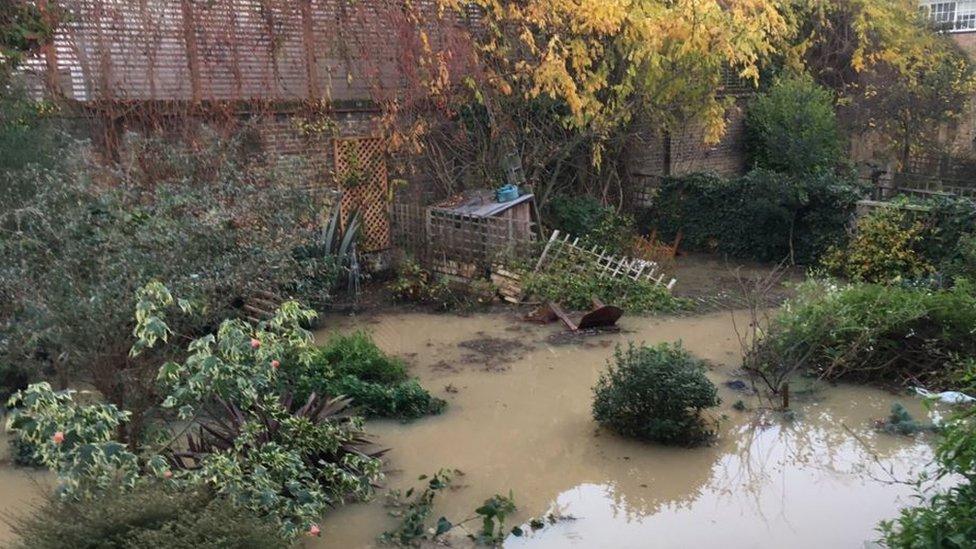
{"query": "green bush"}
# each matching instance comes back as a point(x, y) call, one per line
point(764, 215)
point(227, 419)
point(405, 400)
point(885, 248)
point(792, 128)
point(595, 224)
point(575, 289)
point(354, 367)
point(577, 215)
point(357, 355)
point(910, 240)
point(154, 515)
point(656, 394)
point(879, 333)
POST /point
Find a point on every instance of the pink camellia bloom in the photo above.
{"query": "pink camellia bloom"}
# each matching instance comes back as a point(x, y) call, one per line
point(314, 530)
point(255, 343)
point(58, 437)
point(275, 364)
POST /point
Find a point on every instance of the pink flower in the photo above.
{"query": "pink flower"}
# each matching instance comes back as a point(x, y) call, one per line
point(255, 343)
point(314, 530)
point(58, 437)
point(167, 474)
point(275, 364)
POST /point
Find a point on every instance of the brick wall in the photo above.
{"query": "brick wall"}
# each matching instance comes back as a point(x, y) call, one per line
point(652, 155)
point(965, 138)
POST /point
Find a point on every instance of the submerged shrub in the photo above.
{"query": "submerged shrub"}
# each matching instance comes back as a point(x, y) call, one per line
point(357, 355)
point(161, 515)
point(901, 422)
point(656, 394)
point(792, 128)
point(417, 285)
point(353, 366)
point(575, 289)
point(404, 400)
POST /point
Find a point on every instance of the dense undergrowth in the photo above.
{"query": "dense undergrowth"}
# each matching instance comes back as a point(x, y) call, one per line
point(158, 514)
point(879, 333)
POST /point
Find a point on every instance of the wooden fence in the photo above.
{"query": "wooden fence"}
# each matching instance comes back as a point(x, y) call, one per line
point(465, 246)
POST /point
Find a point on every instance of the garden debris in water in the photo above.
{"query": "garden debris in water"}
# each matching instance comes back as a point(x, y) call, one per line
point(900, 422)
point(493, 352)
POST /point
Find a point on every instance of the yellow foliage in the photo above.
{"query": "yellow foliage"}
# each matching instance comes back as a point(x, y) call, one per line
point(608, 60)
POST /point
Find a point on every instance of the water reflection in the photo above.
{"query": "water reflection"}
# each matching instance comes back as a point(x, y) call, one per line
point(812, 482)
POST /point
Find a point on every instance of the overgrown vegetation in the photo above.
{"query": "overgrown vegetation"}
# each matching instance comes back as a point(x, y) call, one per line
point(766, 216)
point(876, 333)
point(909, 242)
point(884, 248)
point(211, 222)
point(792, 128)
point(575, 288)
point(593, 223)
point(156, 514)
point(655, 394)
point(417, 285)
point(252, 443)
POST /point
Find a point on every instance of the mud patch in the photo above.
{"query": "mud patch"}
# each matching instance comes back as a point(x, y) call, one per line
point(494, 353)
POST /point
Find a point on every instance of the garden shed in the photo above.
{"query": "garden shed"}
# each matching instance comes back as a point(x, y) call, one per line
point(468, 232)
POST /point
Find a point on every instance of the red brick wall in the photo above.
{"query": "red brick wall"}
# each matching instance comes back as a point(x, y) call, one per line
point(965, 138)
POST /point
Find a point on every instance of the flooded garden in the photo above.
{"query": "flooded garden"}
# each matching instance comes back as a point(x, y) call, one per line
point(519, 419)
point(523, 274)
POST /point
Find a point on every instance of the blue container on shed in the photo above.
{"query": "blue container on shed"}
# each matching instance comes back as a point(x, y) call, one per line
point(506, 193)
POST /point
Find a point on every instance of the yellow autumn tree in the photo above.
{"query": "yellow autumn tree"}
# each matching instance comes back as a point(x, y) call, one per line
point(894, 73)
point(609, 60)
point(564, 81)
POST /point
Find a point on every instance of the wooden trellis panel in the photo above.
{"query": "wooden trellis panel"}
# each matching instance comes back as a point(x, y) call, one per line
point(360, 172)
point(605, 264)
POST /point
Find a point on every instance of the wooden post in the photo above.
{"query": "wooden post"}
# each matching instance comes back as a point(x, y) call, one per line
point(555, 235)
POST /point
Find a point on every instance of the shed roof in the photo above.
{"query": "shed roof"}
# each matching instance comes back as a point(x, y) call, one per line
point(478, 203)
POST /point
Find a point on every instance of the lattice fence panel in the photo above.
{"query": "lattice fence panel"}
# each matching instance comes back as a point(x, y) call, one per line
point(360, 171)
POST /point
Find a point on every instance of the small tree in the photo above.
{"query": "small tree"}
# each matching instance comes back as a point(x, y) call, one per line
point(655, 394)
point(792, 128)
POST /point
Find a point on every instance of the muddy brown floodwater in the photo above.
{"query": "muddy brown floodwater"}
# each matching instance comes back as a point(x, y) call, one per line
point(519, 419)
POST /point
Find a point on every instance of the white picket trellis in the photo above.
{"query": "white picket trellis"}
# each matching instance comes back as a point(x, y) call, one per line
point(607, 264)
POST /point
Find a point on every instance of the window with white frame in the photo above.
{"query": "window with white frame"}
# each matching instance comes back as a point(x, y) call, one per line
point(958, 16)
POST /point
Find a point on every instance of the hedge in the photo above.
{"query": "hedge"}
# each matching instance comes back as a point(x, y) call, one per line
point(764, 215)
